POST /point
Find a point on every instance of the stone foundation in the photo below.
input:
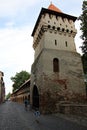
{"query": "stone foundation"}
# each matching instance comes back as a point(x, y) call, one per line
point(73, 109)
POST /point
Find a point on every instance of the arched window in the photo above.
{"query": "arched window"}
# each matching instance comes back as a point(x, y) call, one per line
point(55, 65)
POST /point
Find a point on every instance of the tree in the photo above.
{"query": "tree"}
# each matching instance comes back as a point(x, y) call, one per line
point(84, 61)
point(19, 79)
point(83, 28)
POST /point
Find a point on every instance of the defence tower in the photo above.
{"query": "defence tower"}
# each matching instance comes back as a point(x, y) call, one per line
point(57, 73)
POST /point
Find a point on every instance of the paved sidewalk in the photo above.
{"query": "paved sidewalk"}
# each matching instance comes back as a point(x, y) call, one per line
point(14, 117)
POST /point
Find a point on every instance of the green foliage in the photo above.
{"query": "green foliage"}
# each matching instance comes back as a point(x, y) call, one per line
point(84, 61)
point(19, 79)
point(83, 28)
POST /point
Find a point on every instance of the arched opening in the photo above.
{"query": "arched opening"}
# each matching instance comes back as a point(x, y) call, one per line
point(35, 97)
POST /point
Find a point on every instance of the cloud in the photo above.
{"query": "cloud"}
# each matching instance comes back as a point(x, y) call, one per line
point(17, 12)
point(12, 7)
point(15, 45)
point(16, 52)
point(9, 24)
point(17, 19)
point(72, 7)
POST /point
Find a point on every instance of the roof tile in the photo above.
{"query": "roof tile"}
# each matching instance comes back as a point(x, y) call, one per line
point(54, 8)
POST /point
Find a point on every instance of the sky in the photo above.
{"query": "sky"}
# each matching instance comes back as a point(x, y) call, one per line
point(17, 20)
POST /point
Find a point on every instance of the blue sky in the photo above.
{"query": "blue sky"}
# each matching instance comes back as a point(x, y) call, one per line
point(17, 20)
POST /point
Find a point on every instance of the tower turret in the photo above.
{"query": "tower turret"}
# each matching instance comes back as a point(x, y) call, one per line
point(54, 25)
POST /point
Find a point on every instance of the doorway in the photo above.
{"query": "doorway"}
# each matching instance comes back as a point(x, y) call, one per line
point(35, 97)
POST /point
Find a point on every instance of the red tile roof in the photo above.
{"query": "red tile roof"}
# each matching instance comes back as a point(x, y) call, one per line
point(54, 8)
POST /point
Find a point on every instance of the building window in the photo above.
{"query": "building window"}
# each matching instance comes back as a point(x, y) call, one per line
point(54, 27)
point(63, 29)
point(55, 65)
point(67, 30)
point(55, 42)
point(49, 26)
point(71, 31)
point(58, 28)
point(66, 43)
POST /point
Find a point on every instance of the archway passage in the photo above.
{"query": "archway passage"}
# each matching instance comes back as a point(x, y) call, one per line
point(35, 97)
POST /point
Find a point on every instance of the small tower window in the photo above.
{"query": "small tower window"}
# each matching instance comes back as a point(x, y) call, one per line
point(54, 27)
point(55, 42)
point(71, 31)
point(58, 28)
point(49, 26)
point(55, 65)
point(67, 30)
point(63, 29)
point(66, 43)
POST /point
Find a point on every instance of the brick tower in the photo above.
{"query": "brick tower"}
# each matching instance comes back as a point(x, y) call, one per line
point(57, 73)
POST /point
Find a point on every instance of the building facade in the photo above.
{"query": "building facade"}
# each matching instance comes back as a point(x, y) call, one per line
point(2, 88)
point(22, 93)
point(57, 72)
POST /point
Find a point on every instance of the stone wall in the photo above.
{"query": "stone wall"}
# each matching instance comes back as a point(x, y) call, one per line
point(67, 85)
point(73, 109)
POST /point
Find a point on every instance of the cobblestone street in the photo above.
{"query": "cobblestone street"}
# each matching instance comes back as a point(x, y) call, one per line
point(14, 117)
